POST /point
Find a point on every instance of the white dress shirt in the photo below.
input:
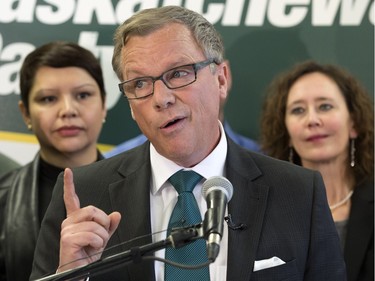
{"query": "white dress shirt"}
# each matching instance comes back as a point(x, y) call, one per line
point(164, 197)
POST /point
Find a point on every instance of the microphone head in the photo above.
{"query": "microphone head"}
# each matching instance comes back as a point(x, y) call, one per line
point(217, 182)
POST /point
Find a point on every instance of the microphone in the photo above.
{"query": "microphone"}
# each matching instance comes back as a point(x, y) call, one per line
point(217, 191)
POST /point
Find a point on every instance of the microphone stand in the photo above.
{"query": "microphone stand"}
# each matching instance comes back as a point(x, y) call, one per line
point(178, 238)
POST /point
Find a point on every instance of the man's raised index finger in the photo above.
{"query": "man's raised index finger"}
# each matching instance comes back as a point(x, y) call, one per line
point(71, 199)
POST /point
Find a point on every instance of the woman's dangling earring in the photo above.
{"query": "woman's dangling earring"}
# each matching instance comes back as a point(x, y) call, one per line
point(291, 154)
point(29, 127)
point(352, 153)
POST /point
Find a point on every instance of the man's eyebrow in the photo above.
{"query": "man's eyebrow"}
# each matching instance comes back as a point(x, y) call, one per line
point(140, 73)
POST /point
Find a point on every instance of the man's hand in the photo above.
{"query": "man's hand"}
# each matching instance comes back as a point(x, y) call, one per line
point(85, 232)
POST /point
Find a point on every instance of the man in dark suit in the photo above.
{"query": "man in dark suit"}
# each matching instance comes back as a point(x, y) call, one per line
point(281, 226)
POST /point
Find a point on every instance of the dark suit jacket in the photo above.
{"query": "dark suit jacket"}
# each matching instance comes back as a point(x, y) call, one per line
point(19, 219)
point(359, 242)
point(284, 207)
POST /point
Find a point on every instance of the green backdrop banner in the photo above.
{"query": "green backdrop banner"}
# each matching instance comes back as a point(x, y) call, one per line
point(262, 38)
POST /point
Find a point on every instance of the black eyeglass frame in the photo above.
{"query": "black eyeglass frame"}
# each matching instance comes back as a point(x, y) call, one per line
point(196, 66)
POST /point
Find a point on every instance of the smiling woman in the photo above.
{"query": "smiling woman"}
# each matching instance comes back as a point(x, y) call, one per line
point(63, 103)
point(320, 117)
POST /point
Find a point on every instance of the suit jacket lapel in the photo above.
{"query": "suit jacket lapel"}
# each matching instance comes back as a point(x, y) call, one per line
point(247, 206)
point(131, 197)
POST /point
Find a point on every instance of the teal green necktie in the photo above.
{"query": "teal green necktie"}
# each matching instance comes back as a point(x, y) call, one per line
point(185, 213)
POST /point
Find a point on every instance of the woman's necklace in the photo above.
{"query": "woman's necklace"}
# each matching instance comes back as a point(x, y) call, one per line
point(342, 202)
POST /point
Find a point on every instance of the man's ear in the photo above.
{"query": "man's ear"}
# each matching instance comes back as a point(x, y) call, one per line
point(132, 113)
point(224, 78)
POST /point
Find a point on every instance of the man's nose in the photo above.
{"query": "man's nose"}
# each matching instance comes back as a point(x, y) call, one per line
point(163, 96)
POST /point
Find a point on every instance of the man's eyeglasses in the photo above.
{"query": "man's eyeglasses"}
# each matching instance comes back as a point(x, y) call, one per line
point(177, 77)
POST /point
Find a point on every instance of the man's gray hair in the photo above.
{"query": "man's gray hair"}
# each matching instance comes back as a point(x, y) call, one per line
point(150, 20)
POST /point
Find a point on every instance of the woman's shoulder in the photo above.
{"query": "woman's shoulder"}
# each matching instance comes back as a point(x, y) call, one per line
point(6, 179)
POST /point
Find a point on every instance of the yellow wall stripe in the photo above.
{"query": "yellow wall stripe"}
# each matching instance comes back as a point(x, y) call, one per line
point(29, 138)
